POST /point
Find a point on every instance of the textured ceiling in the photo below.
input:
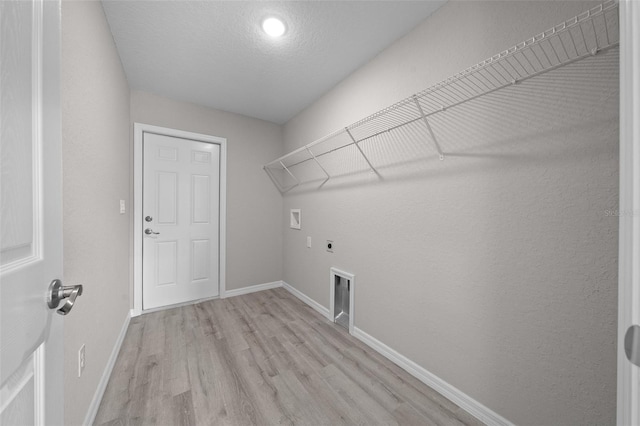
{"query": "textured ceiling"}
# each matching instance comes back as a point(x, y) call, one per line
point(214, 53)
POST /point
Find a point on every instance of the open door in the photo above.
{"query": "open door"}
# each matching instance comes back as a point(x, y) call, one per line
point(629, 258)
point(31, 347)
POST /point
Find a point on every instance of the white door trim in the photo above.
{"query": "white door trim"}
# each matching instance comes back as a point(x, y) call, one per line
point(138, 130)
point(628, 408)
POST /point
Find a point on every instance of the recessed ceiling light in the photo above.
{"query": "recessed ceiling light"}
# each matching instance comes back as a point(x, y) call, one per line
point(274, 27)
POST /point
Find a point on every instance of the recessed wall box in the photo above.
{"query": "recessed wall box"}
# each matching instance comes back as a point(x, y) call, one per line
point(342, 298)
point(295, 219)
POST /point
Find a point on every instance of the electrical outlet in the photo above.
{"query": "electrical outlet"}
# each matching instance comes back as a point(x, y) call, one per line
point(123, 209)
point(82, 360)
point(308, 242)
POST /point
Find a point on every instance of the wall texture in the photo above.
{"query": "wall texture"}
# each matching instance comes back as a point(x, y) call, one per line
point(495, 269)
point(95, 134)
point(254, 206)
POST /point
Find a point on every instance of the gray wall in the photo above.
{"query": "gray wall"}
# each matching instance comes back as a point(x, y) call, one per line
point(495, 269)
point(97, 115)
point(95, 135)
point(254, 206)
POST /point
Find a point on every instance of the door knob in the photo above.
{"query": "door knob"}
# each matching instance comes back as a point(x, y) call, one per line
point(58, 293)
point(149, 231)
point(632, 344)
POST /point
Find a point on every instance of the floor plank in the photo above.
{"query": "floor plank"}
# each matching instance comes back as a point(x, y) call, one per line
point(260, 359)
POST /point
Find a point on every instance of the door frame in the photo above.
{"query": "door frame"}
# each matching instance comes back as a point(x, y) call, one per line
point(138, 160)
point(628, 408)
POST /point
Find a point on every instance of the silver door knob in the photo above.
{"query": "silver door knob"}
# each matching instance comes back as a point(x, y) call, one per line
point(149, 231)
point(58, 293)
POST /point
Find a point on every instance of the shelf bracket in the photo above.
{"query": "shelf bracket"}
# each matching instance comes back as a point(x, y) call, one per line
point(292, 176)
point(361, 151)
point(426, 122)
point(318, 163)
point(275, 180)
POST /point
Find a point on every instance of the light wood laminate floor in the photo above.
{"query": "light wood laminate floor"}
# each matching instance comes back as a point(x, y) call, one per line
point(263, 358)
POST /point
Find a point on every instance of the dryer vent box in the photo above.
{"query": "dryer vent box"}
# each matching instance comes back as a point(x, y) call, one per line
point(341, 302)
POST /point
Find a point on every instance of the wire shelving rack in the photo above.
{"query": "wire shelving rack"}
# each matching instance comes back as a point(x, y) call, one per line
point(584, 35)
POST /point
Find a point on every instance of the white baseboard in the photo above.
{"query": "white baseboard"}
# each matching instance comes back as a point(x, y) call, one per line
point(309, 301)
point(455, 395)
point(452, 393)
point(252, 289)
point(106, 374)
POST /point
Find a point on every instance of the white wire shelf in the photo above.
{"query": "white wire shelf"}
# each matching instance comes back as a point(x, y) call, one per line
point(584, 35)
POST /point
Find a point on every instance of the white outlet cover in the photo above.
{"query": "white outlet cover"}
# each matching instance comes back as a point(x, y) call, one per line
point(295, 219)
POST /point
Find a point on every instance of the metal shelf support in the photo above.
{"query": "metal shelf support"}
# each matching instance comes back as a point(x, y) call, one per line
point(318, 163)
point(361, 151)
point(426, 122)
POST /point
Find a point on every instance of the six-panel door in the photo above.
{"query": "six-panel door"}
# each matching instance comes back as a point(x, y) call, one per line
point(31, 335)
point(181, 220)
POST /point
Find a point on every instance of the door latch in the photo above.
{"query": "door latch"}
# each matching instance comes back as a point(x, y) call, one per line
point(58, 293)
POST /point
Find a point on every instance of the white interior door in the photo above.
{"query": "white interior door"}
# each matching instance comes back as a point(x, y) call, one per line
point(31, 351)
point(181, 220)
